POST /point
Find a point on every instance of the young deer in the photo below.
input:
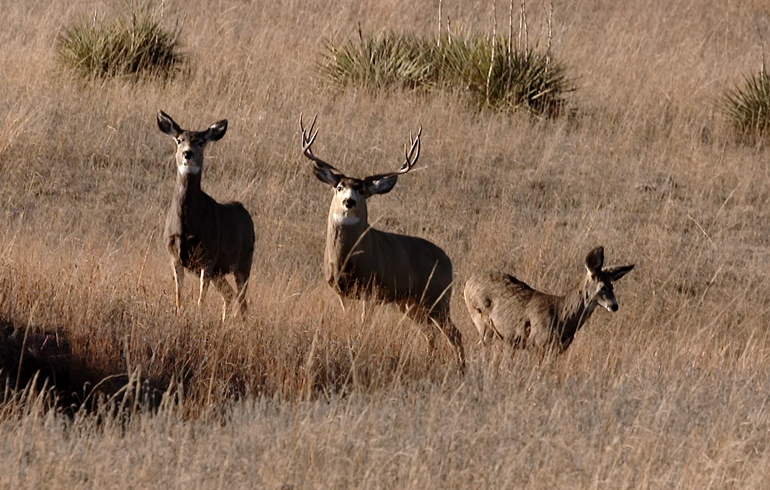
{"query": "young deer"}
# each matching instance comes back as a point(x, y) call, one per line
point(202, 235)
point(503, 307)
point(361, 261)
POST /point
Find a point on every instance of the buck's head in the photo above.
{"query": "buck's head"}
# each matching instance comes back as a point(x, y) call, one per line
point(348, 205)
point(190, 144)
point(598, 287)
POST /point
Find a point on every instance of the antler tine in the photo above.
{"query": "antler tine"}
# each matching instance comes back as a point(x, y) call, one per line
point(308, 137)
point(307, 141)
point(411, 155)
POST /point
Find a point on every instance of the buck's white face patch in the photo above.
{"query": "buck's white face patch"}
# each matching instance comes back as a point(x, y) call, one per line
point(342, 219)
point(348, 205)
point(344, 193)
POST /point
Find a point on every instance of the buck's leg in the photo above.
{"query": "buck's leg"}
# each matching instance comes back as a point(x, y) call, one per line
point(204, 286)
point(428, 326)
point(241, 282)
point(178, 282)
point(441, 319)
point(226, 291)
point(454, 337)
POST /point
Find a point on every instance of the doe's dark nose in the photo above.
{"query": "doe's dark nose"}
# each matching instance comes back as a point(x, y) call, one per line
point(614, 307)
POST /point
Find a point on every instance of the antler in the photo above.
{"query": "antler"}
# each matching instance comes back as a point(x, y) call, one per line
point(308, 137)
point(411, 155)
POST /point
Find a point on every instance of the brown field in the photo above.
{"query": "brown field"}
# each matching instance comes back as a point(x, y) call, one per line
point(670, 392)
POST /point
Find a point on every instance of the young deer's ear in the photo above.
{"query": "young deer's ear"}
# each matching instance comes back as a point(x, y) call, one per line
point(616, 273)
point(379, 185)
point(327, 174)
point(595, 260)
point(216, 131)
point(167, 125)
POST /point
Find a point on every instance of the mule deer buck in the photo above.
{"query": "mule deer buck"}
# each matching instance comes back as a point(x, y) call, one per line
point(362, 262)
point(505, 308)
point(203, 236)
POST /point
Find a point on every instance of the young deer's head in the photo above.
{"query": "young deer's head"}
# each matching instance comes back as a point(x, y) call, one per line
point(190, 144)
point(598, 285)
point(348, 205)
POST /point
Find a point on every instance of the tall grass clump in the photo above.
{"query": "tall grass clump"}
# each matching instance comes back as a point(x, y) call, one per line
point(747, 107)
point(493, 72)
point(135, 44)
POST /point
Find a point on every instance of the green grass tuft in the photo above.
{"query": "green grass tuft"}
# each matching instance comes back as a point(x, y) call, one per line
point(134, 45)
point(493, 73)
point(747, 107)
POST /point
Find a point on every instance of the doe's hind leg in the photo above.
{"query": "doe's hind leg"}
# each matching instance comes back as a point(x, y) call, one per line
point(241, 283)
point(178, 283)
point(226, 291)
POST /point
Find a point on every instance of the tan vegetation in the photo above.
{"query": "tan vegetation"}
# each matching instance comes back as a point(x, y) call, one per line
point(670, 392)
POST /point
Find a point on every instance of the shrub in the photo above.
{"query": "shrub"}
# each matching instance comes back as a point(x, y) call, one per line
point(747, 107)
point(493, 72)
point(134, 45)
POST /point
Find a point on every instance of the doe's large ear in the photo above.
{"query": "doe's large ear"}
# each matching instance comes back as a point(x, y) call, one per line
point(595, 260)
point(616, 273)
point(379, 185)
point(327, 174)
point(167, 125)
point(216, 130)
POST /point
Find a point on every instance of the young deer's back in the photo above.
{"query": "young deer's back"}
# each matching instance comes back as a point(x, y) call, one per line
point(503, 307)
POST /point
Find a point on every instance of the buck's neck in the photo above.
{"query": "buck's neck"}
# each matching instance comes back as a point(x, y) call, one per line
point(573, 312)
point(344, 232)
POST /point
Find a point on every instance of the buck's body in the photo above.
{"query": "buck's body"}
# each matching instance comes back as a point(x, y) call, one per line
point(203, 236)
point(361, 261)
point(503, 307)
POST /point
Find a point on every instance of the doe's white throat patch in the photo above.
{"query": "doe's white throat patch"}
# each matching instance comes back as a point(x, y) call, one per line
point(188, 169)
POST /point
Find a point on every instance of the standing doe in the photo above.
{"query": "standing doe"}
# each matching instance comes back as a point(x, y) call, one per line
point(503, 307)
point(361, 261)
point(202, 235)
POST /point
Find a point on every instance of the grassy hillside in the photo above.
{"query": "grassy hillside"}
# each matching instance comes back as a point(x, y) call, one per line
point(669, 392)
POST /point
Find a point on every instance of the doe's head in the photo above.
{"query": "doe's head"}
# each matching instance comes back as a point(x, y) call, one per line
point(599, 280)
point(190, 144)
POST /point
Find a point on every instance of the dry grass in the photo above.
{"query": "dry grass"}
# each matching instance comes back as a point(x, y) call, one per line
point(669, 392)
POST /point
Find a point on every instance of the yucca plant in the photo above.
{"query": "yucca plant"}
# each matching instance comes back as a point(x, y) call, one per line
point(494, 73)
point(378, 62)
point(747, 107)
point(136, 44)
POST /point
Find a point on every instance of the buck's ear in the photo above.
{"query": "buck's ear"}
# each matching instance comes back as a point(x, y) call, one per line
point(595, 260)
point(379, 185)
point(327, 174)
point(167, 125)
point(216, 131)
point(616, 273)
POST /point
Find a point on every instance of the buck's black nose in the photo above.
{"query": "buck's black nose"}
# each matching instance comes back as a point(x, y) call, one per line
point(187, 155)
point(349, 203)
point(614, 307)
